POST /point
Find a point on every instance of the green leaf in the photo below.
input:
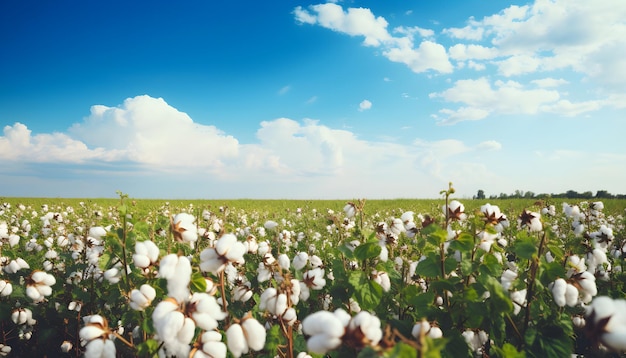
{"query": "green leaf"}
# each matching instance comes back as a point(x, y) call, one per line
point(525, 247)
point(434, 347)
point(366, 292)
point(552, 271)
point(148, 348)
point(368, 250)
point(464, 242)
point(438, 236)
point(349, 254)
point(198, 283)
point(429, 267)
point(508, 351)
point(450, 264)
point(421, 301)
point(402, 350)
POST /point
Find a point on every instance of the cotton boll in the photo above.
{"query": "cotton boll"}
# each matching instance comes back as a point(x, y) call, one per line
point(571, 295)
point(283, 261)
point(255, 333)
point(236, 340)
point(558, 291)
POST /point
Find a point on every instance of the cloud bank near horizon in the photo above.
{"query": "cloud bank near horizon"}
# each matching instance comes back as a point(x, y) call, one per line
point(146, 136)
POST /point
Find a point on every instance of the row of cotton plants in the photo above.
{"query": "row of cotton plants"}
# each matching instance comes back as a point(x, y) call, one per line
point(220, 282)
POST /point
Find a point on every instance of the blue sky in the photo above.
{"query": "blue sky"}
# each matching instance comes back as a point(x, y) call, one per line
point(287, 99)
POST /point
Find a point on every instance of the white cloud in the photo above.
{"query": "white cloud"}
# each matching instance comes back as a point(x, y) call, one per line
point(549, 82)
point(461, 114)
point(18, 144)
point(284, 90)
point(152, 149)
point(569, 109)
point(462, 52)
point(354, 22)
point(149, 131)
point(489, 145)
point(518, 65)
point(365, 105)
point(587, 37)
point(466, 33)
point(479, 98)
point(428, 55)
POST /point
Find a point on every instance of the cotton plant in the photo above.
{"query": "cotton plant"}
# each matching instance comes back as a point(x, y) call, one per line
point(328, 330)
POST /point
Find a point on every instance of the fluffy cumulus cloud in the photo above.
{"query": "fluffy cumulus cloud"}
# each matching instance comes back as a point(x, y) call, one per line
point(587, 37)
point(479, 98)
point(144, 142)
point(147, 130)
point(18, 144)
point(427, 55)
point(365, 105)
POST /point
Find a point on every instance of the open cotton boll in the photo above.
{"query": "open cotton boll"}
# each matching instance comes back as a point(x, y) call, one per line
point(558, 291)
point(237, 344)
point(146, 253)
point(254, 332)
point(205, 311)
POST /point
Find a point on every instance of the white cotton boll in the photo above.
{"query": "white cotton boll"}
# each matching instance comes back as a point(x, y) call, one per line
point(187, 331)
point(108, 350)
point(172, 323)
point(315, 261)
point(237, 344)
point(384, 252)
point(283, 261)
point(94, 349)
point(323, 322)
point(435, 333)
point(242, 293)
point(615, 340)
point(350, 210)
point(255, 333)
point(167, 267)
point(91, 332)
point(419, 327)
point(14, 240)
point(111, 275)
point(280, 306)
point(33, 294)
point(263, 273)
point(316, 278)
point(369, 325)
point(44, 290)
point(519, 300)
point(97, 232)
point(578, 321)
point(210, 261)
point(290, 316)
point(320, 344)
point(300, 260)
point(407, 217)
point(587, 282)
point(66, 346)
point(270, 224)
point(177, 286)
point(207, 311)
point(295, 291)
point(212, 345)
point(268, 298)
point(571, 295)
point(164, 308)
point(558, 291)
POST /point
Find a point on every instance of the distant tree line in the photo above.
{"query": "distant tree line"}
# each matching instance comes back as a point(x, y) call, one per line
point(570, 194)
